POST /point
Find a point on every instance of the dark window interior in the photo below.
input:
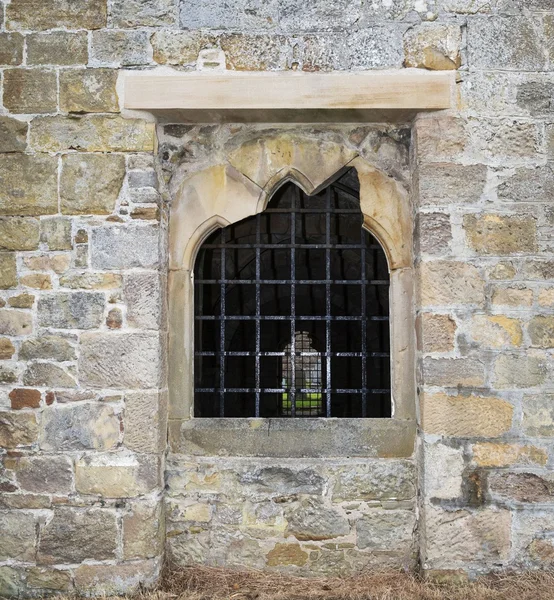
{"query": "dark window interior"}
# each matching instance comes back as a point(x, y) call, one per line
point(292, 311)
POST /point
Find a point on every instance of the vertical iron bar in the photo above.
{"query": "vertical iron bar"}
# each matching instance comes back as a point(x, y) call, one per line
point(294, 200)
point(328, 299)
point(364, 324)
point(222, 331)
point(258, 311)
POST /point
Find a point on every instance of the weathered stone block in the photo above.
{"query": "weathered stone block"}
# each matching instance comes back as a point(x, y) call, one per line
point(311, 520)
point(123, 578)
point(444, 183)
point(49, 579)
point(10, 579)
point(286, 555)
point(538, 269)
point(117, 474)
point(500, 234)
point(92, 133)
point(439, 138)
point(453, 372)
point(24, 398)
point(11, 49)
point(538, 415)
point(260, 52)
point(466, 416)
point(546, 297)
point(433, 46)
point(146, 13)
point(37, 281)
point(489, 454)
point(143, 530)
point(436, 333)
point(434, 233)
point(541, 331)
point(28, 184)
point(7, 349)
point(178, 47)
point(80, 426)
point(513, 295)
point(278, 480)
point(30, 91)
point(8, 374)
point(47, 375)
point(47, 347)
point(17, 429)
point(19, 233)
point(59, 263)
point(120, 48)
point(141, 293)
point(71, 310)
point(90, 183)
point(13, 135)
point(91, 281)
point(141, 408)
point(519, 371)
point(56, 233)
point(18, 538)
point(126, 247)
point(15, 322)
point(57, 48)
point(76, 534)
point(536, 97)
point(449, 282)
point(453, 537)
point(388, 530)
point(88, 90)
point(49, 14)
point(44, 474)
point(522, 486)
point(507, 43)
point(22, 301)
point(496, 331)
point(228, 15)
point(114, 319)
point(505, 140)
point(8, 270)
point(443, 469)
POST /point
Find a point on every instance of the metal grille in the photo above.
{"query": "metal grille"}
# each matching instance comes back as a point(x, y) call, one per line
point(292, 312)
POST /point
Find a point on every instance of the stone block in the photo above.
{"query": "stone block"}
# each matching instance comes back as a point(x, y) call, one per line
point(24, 398)
point(120, 579)
point(376, 480)
point(538, 269)
point(120, 48)
point(279, 480)
point(13, 135)
point(47, 347)
point(433, 46)
point(465, 416)
point(538, 415)
point(521, 486)
point(82, 426)
point(44, 474)
point(146, 213)
point(496, 331)
point(436, 333)
point(7, 349)
point(261, 52)
point(88, 90)
point(77, 534)
point(9, 374)
point(30, 91)
point(219, 14)
point(500, 234)
point(541, 331)
point(287, 555)
point(141, 293)
point(445, 183)
point(10, 578)
point(18, 538)
point(509, 43)
point(57, 48)
point(515, 296)
point(19, 233)
point(56, 233)
point(528, 185)
point(37, 281)
point(519, 371)
point(22, 301)
point(141, 408)
point(311, 520)
point(90, 183)
point(50, 14)
point(91, 281)
point(49, 579)
point(59, 263)
point(18, 429)
point(318, 16)
point(453, 372)
point(28, 184)
point(91, 133)
point(143, 530)
point(448, 282)
point(434, 233)
point(71, 310)
point(47, 375)
point(178, 47)
point(117, 247)
point(11, 49)
point(490, 454)
point(443, 470)
point(15, 322)
point(546, 297)
point(114, 319)
point(439, 139)
point(120, 360)
point(536, 97)
point(387, 530)
point(503, 141)
point(459, 537)
point(145, 13)
point(8, 271)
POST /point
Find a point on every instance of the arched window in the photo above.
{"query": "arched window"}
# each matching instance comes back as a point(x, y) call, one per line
point(292, 311)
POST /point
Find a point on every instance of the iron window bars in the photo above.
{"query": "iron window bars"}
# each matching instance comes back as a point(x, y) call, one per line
point(292, 313)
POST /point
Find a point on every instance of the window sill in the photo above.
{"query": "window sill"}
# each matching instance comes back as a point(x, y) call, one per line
point(294, 438)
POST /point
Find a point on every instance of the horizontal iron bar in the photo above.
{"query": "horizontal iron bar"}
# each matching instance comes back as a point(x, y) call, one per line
point(286, 390)
point(297, 353)
point(315, 211)
point(246, 246)
point(291, 281)
point(286, 318)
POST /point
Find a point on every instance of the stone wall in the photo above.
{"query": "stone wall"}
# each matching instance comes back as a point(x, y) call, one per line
point(82, 296)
